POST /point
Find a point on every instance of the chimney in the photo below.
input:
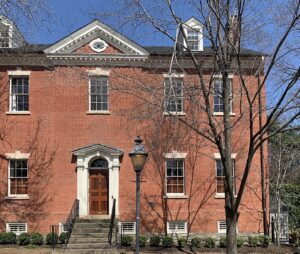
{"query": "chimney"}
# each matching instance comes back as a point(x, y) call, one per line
point(233, 30)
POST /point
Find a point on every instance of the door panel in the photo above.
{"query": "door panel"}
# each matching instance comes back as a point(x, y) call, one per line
point(98, 197)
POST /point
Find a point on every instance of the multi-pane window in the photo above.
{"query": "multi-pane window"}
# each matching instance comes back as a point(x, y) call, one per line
point(218, 96)
point(18, 177)
point(177, 227)
point(98, 93)
point(19, 94)
point(17, 228)
point(174, 94)
point(221, 176)
point(175, 176)
point(4, 36)
point(193, 39)
point(222, 227)
point(127, 228)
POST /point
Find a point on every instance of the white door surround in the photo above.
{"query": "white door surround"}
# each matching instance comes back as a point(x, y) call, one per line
point(84, 157)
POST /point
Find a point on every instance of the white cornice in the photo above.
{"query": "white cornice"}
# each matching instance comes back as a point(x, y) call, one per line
point(17, 155)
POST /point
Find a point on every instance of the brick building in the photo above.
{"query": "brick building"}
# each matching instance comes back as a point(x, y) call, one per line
point(70, 112)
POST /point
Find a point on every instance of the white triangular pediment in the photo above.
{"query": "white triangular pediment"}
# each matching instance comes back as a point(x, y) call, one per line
point(96, 30)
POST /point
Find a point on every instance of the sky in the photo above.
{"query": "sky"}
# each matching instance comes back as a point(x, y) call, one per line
point(69, 15)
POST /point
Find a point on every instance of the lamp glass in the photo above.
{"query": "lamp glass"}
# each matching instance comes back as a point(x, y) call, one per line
point(138, 161)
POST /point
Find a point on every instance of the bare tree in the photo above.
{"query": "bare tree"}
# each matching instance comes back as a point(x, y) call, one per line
point(227, 26)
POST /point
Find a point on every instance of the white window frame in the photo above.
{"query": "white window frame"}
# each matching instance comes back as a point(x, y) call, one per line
point(174, 194)
point(181, 97)
point(176, 230)
point(16, 224)
point(25, 196)
point(220, 97)
point(197, 26)
point(217, 156)
point(132, 232)
point(221, 229)
point(18, 74)
point(107, 83)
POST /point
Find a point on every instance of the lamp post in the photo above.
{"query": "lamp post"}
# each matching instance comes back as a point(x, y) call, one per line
point(138, 157)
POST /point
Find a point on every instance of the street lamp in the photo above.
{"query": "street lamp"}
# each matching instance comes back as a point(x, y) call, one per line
point(138, 157)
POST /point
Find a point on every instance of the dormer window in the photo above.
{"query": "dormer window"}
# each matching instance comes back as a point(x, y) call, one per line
point(193, 30)
point(4, 36)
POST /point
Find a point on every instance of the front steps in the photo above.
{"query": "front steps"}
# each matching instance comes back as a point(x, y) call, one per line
point(90, 236)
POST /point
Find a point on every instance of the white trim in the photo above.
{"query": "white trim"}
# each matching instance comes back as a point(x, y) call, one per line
point(175, 155)
point(17, 197)
point(218, 155)
point(174, 113)
point(18, 113)
point(17, 155)
point(221, 229)
point(177, 230)
point(219, 76)
point(18, 224)
point(91, 44)
point(98, 112)
point(219, 195)
point(99, 72)
point(18, 73)
point(127, 232)
point(222, 114)
point(174, 75)
point(176, 196)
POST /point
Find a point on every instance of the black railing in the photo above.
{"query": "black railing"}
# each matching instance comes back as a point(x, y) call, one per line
point(112, 222)
point(73, 215)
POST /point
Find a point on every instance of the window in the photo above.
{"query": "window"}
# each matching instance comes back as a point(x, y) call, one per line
point(218, 96)
point(222, 227)
point(221, 176)
point(193, 39)
point(4, 36)
point(127, 228)
point(175, 176)
point(16, 228)
point(19, 94)
point(18, 178)
point(177, 227)
point(98, 93)
point(174, 94)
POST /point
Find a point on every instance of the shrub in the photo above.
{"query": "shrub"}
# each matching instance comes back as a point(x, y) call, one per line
point(240, 241)
point(2, 238)
point(196, 242)
point(209, 242)
point(293, 237)
point(51, 239)
point(253, 241)
point(37, 239)
point(264, 240)
point(127, 240)
point(182, 242)
point(222, 242)
point(24, 239)
point(167, 241)
point(143, 241)
point(154, 241)
point(10, 238)
point(63, 237)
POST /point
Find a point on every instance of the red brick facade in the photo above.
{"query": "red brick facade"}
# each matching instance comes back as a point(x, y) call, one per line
point(59, 122)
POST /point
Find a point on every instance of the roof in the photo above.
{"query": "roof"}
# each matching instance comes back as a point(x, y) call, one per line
point(98, 147)
point(154, 50)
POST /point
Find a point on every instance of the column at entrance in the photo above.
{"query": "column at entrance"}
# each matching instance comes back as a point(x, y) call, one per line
point(114, 184)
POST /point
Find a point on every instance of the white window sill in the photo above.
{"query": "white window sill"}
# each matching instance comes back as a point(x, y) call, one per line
point(174, 113)
point(220, 195)
point(222, 114)
point(98, 112)
point(18, 113)
point(19, 197)
point(176, 196)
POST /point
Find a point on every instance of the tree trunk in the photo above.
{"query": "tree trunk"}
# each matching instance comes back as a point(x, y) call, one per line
point(278, 220)
point(231, 221)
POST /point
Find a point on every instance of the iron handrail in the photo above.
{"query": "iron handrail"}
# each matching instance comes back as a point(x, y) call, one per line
point(112, 221)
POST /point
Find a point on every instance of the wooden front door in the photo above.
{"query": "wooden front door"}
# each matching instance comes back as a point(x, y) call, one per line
point(98, 192)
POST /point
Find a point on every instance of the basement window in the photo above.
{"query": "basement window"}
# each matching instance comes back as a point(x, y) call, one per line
point(16, 228)
point(127, 228)
point(179, 227)
point(222, 227)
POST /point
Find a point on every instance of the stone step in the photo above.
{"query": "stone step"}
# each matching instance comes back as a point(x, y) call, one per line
point(93, 221)
point(90, 230)
point(88, 246)
point(88, 235)
point(92, 225)
point(89, 240)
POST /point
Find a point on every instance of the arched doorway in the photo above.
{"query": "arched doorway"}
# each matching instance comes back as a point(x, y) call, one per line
point(98, 186)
